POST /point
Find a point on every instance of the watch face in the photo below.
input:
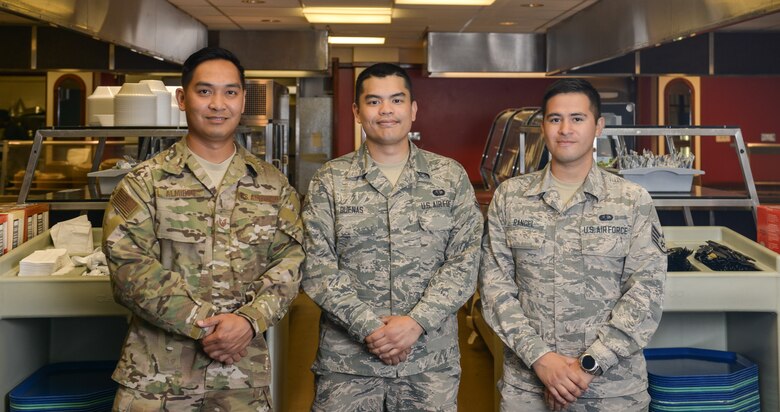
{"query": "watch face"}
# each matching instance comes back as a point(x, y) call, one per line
point(587, 362)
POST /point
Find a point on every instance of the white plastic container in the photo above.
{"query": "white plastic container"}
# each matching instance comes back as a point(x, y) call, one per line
point(662, 179)
point(178, 118)
point(135, 105)
point(163, 100)
point(100, 103)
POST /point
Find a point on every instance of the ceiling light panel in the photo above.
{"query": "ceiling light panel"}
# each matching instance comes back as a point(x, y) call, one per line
point(355, 40)
point(348, 15)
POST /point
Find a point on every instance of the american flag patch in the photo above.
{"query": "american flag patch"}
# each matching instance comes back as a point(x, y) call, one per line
point(124, 203)
point(658, 239)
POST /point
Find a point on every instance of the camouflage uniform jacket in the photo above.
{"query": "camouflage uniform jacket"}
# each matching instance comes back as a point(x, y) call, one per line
point(589, 278)
point(180, 250)
point(375, 250)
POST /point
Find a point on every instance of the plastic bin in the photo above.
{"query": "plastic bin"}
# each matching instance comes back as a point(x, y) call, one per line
point(662, 179)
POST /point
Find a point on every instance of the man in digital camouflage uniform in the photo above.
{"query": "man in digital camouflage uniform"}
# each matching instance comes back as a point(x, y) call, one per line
point(573, 271)
point(392, 240)
point(204, 244)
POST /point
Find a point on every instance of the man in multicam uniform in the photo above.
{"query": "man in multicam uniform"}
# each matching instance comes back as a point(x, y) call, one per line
point(204, 244)
point(392, 239)
point(573, 271)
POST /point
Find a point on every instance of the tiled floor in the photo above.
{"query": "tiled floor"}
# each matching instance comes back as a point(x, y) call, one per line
point(476, 387)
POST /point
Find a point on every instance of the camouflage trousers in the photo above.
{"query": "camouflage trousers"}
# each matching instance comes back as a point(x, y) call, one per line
point(235, 400)
point(428, 391)
point(514, 399)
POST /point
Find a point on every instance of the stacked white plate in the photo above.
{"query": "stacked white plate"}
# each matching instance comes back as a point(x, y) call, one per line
point(178, 117)
point(100, 103)
point(135, 105)
point(163, 97)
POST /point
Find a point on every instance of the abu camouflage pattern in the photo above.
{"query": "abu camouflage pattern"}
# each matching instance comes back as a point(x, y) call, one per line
point(588, 278)
point(180, 250)
point(517, 400)
point(424, 392)
point(375, 250)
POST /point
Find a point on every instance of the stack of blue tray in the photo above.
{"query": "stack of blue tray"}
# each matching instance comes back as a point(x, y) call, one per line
point(688, 379)
point(72, 386)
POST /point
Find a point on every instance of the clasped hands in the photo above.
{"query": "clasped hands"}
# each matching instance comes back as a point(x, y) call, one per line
point(564, 381)
point(227, 336)
point(393, 341)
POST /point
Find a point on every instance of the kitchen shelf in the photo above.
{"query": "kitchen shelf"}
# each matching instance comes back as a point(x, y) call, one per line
point(145, 142)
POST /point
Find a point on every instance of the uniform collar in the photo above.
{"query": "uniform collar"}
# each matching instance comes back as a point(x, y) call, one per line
point(362, 164)
point(179, 154)
point(593, 184)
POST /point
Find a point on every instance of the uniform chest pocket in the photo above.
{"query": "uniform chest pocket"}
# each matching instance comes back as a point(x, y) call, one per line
point(436, 225)
point(183, 234)
point(524, 239)
point(604, 249)
point(527, 244)
point(253, 236)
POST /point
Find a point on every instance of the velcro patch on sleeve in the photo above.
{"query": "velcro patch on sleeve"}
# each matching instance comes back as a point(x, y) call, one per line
point(125, 204)
point(658, 239)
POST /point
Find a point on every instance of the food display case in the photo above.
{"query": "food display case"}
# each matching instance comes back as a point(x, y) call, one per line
point(506, 145)
point(58, 162)
point(699, 196)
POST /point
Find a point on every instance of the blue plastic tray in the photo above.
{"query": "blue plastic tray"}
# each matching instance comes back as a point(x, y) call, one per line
point(687, 363)
point(71, 386)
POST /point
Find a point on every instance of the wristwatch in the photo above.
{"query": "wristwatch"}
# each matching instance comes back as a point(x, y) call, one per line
point(589, 365)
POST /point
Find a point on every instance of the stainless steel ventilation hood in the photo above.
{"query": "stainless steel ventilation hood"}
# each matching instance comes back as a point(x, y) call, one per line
point(612, 28)
point(305, 52)
point(151, 26)
point(485, 53)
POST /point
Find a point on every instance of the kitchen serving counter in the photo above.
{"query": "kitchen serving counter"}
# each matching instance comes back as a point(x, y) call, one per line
point(734, 311)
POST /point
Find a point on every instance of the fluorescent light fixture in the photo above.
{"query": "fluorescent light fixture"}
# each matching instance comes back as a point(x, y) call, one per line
point(447, 2)
point(490, 75)
point(355, 40)
point(349, 15)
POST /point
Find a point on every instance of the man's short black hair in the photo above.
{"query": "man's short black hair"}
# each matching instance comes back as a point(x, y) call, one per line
point(382, 70)
point(574, 86)
point(205, 54)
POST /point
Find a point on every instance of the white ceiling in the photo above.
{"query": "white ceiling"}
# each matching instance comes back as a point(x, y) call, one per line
point(409, 24)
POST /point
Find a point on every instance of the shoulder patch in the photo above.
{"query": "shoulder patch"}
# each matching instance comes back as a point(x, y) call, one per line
point(124, 203)
point(658, 239)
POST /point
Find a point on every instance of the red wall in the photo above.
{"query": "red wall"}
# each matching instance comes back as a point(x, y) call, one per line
point(453, 116)
point(747, 102)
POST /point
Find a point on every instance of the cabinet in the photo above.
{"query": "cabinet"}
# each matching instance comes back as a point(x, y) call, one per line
point(53, 319)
